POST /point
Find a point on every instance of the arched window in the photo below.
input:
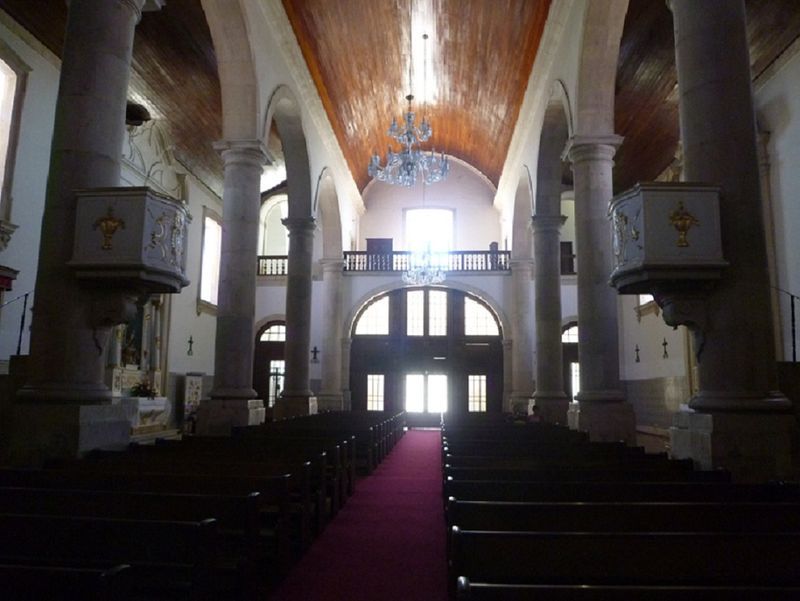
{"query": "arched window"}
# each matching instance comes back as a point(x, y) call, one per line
point(274, 333)
point(13, 77)
point(570, 334)
point(374, 321)
point(478, 320)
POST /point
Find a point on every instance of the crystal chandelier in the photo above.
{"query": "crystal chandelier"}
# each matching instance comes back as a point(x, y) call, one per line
point(422, 271)
point(402, 168)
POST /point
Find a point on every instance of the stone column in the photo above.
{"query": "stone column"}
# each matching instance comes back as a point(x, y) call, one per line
point(602, 409)
point(297, 398)
point(522, 326)
point(70, 410)
point(346, 345)
point(330, 397)
point(549, 396)
point(233, 400)
point(739, 421)
point(508, 349)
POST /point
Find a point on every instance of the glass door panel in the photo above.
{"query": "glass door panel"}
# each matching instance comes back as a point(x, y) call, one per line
point(415, 393)
point(437, 393)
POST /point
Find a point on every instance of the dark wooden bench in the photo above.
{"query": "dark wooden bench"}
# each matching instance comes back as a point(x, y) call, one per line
point(494, 490)
point(588, 474)
point(629, 559)
point(260, 548)
point(28, 582)
point(170, 559)
point(624, 516)
point(482, 591)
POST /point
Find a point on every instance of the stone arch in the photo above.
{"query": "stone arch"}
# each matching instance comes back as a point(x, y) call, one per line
point(549, 168)
point(597, 71)
point(327, 208)
point(285, 110)
point(523, 209)
point(236, 69)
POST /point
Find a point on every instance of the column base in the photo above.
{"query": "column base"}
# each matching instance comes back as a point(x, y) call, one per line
point(218, 417)
point(294, 406)
point(521, 404)
point(64, 431)
point(605, 421)
point(330, 402)
point(552, 408)
point(754, 447)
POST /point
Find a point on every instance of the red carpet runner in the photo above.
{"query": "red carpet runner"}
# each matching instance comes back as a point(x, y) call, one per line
point(388, 542)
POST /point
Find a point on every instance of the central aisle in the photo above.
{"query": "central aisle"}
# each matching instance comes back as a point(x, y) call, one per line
point(388, 542)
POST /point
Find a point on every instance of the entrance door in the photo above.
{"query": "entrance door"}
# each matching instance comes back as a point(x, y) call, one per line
point(426, 393)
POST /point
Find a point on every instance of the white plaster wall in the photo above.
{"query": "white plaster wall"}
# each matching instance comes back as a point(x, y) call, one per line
point(468, 194)
point(649, 333)
point(777, 102)
point(29, 181)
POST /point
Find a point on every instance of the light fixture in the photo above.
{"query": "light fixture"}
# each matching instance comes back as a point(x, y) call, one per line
point(402, 168)
point(422, 271)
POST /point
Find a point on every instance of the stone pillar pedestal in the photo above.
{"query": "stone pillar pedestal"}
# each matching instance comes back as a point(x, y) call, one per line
point(606, 422)
point(217, 417)
point(66, 430)
point(293, 406)
point(754, 447)
point(552, 406)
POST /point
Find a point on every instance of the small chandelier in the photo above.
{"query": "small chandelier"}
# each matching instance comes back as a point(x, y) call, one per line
point(402, 168)
point(422, 272)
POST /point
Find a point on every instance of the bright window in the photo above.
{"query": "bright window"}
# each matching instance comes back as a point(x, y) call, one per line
point(476, 394)
point(478, 320)
point(375, 319)
point(274, 333)
point(575, 379)
point(415, 393)
point(8, 88)
point(437, 313)
point(375, 392)
point(415, 313)
point(426, 392)
point(212, 249)
point(429, 230)
point(570, 334)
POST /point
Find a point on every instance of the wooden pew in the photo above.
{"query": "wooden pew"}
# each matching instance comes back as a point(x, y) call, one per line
point(176, 558)
point(592, 491)
point(623, 516)
point(597, 474)
point(482, 591)
point(626, 559)
point(28, 582)
point(259, 547)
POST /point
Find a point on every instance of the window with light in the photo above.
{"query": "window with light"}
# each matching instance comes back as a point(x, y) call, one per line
point(476, 393)
point(437, 313)
point(478, 320)
point(274, 333)
point(430, 230)
point(212, 250)
point(375, 392)
point(374, 321)
point(415, 313)
point(570, 334)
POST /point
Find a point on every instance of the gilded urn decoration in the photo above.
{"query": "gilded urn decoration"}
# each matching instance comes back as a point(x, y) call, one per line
point(682, 220)
point(108, 226)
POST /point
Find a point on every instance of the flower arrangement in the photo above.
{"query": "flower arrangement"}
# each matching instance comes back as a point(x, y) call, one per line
point(144, 389)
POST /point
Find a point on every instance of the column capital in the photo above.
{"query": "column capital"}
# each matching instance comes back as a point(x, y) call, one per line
point(247, 152)
point(140, 6)
point(586, 148)
point(547, 223)
point(299, 224)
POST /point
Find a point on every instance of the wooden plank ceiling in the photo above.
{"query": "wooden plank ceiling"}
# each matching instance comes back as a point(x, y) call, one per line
point(480, 55)
point(174, 68)
point(646, 110)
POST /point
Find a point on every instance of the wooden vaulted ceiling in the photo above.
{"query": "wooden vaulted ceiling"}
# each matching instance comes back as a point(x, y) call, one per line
point(646, 104)
point(480, 53)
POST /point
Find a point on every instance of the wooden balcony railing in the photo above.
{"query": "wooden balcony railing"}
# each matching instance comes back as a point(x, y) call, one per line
point(273, 265)
point(402, 260)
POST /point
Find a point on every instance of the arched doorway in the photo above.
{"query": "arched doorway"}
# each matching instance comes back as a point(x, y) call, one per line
point(268, 362)
point(426, 350)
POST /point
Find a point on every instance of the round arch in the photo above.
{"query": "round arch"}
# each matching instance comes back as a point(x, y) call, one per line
point(326, 205)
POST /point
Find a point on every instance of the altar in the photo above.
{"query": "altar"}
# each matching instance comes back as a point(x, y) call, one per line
point(147, 414)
